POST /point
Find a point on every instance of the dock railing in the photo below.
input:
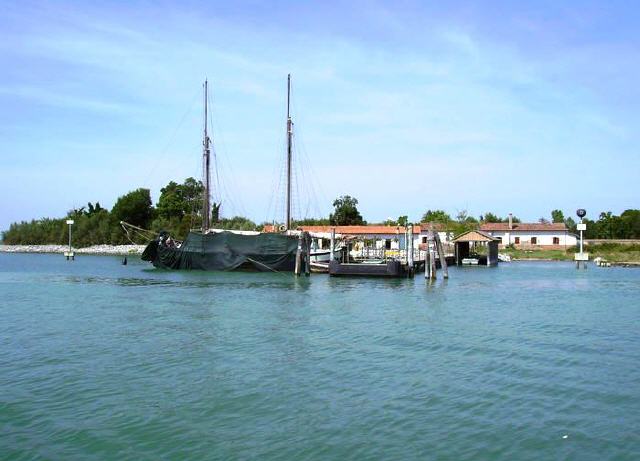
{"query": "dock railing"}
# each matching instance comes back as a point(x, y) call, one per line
point(384, 254)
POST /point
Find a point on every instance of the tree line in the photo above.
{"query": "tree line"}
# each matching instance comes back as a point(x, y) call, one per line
point(179, 209)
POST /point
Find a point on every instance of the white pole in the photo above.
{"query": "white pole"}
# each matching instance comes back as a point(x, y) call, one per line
point(580, 238)
point(332, 245)
point(409, 246)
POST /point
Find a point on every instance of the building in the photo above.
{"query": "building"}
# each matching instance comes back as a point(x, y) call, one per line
point(531, 235)
point(379, 236)
point(444, 232)
point(471, 240)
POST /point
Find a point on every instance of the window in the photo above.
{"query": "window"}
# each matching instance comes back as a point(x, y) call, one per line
point(387, 244)
point(517, 241)
point(556, 240)
point(534, 240)
point(424, 239)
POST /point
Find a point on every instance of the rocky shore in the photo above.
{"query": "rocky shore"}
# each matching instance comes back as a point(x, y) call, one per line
point(105, 250)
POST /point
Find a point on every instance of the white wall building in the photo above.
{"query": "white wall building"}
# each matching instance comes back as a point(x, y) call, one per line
point(531, 235)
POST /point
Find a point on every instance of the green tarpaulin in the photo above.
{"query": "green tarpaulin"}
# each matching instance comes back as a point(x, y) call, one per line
point(225, 251)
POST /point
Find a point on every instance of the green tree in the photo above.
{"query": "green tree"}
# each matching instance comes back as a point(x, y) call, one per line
point(492, 218)
point(557, 216)
point(439, 216)
point(237, 223)
point(308, 222)
point(346, 212)
point(178, 200)
point(134, 208)
point(403, 220)
point(630, 224)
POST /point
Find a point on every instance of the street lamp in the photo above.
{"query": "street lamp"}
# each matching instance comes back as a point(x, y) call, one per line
point(69, 254)
point(582, 257)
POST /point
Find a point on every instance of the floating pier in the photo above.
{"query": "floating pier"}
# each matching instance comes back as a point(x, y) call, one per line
point(392, 268)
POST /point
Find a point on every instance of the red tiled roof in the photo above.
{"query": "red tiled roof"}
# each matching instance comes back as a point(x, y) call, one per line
point(352, 230)
point(537, 227)
point(474, 236)
point(357, 230)
point(436, 226)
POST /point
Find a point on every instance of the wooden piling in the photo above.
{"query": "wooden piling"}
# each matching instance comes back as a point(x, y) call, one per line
point(298, 267)
point(332, 245)
point(307, 254)
point(410, 262)
point(441, 255)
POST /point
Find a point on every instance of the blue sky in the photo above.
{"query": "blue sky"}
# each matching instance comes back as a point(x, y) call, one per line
point(486, 106)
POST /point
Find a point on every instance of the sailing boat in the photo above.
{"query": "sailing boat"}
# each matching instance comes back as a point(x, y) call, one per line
point(216, 249)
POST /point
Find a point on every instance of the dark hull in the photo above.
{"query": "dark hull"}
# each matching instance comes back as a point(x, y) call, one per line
point(226, 251)
point(388, 269)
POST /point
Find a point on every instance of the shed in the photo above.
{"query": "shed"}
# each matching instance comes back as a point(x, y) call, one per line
point(463, 247)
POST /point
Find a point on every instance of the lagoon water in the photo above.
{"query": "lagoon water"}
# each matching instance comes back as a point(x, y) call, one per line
point(530, 360)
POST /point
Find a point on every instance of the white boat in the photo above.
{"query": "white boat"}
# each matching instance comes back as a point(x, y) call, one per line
point(324, 255)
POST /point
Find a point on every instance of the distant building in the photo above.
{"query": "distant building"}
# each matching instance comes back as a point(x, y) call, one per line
point(521, 235)
point(531, 235)
point(387, 237)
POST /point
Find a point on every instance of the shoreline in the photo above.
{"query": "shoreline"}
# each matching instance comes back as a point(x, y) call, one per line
point(97, 250)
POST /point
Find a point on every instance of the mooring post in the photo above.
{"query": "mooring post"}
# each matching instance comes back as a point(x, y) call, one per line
point(441, 255)
point(427, 264)
point(431, 243)
point(70, 254)
point(332, 245)
point(410, 248)
point(307, 254)
point(298, 268)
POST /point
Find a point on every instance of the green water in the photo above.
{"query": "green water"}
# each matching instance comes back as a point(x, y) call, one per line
point(103, 361)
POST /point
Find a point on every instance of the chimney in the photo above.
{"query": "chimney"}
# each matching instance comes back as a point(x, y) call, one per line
point(510, 221)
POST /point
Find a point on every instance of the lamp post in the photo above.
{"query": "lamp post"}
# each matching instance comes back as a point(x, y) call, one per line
point(582, 257)
point(69, 254)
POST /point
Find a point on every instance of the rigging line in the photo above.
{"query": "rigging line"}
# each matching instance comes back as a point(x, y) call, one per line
point(313, 179)
point(224, 168)
point(214, 150)
point(310, 178)
point(264, 265)
point(301, 183)
point(230, 185)
point(307, 191)
point(275, 196)
point(165, 149)
point(296, 183)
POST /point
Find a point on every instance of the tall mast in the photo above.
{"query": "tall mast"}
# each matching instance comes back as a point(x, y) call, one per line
point(289, 134)
point(206, 174)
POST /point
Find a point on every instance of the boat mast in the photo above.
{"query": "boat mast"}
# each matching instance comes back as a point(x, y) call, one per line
point(206, 174)
point(289, 135)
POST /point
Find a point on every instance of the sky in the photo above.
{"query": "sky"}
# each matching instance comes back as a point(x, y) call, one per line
point(518, 107)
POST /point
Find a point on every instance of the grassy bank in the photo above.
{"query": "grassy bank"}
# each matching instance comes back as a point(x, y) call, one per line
point(613, 252)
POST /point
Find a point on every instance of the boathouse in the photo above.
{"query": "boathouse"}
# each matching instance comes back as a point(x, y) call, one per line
point(469, 248)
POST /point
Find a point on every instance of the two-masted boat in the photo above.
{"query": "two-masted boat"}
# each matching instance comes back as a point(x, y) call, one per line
point(216, 249)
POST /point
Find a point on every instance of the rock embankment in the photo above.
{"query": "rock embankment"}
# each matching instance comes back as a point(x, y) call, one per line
point(92, 250)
